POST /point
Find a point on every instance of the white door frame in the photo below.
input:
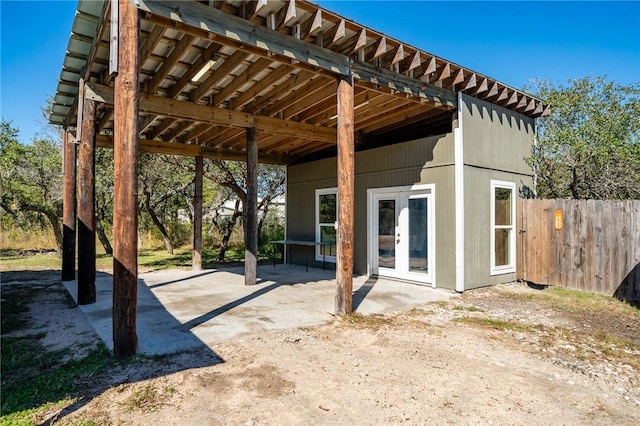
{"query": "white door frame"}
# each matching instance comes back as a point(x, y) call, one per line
point(401, 194)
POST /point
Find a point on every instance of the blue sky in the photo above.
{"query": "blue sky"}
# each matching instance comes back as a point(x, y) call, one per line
point(513, 42)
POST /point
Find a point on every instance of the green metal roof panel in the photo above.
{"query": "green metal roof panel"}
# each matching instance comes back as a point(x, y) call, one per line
point(85, 24)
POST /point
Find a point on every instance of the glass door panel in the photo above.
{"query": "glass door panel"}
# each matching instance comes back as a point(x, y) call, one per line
point(417, 238)
point(387, 233)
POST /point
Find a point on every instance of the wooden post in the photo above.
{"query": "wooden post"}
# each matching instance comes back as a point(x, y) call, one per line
point(87, 205)
point(125, 197)
point(251, 209)
point(346, 180)
point(69, 210)
point(196, 262)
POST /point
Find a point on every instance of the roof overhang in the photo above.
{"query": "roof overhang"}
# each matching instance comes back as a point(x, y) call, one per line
point(209, 69)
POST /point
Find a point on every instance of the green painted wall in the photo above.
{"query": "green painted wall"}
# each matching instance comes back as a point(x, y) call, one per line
point(423, 161)
point(496, 141)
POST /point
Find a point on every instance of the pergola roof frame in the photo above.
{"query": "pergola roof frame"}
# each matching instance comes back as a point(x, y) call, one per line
point(271, 54)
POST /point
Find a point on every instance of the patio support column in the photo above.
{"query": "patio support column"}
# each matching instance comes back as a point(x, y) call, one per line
point(346, 179)
point(69, 210)
point(251, 209)
point(125, 198)
point(196, 261)
point(87, 203)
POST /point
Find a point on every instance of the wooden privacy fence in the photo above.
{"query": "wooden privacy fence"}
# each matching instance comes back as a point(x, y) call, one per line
point(584, 245)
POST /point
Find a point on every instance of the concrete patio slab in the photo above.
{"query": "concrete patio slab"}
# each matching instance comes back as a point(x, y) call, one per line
point(181, 310)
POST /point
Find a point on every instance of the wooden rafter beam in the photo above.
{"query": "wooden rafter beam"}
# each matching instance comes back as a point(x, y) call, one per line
point(310, 26)
point(169, 62)
point(215, 116)
point(265, 83)
point(151, 42)
point(405, 85)
point(392, 57)
point(290, 84)
point(250, 9)
point(200, 20)
point(186, 78)
point(230, 64)
point(334, 34)
point(355, 43)
point(284, 15)
point(240, 80)
point(191, 150)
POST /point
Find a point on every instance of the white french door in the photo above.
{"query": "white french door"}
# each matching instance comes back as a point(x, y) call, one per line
point(401, 233)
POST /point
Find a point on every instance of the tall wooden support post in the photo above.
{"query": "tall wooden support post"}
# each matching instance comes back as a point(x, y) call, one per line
point(69, 210)
point(87, 205)
point(251, 209)
point(125, 197)
point(196, 261)
point(346, 181)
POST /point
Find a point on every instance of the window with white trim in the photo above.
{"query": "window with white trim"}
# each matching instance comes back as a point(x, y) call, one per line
point(503, 235)
point(326, 221)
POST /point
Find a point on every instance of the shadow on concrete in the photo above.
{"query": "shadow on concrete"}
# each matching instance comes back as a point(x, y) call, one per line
point(202, 274)
point(362, 293)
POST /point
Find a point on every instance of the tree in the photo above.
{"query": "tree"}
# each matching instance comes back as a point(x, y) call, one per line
point(589, 145)
point(30, 178)
point(165, 185)
point(231, 176)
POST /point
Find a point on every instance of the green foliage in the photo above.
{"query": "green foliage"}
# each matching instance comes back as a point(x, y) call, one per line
point(589, 145)
point(30, 181)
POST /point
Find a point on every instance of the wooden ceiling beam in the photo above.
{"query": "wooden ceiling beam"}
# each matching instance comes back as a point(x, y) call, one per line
point(283, 16)
point(160, 128)
point(328, 92)
point(354, 43)
point(206, 114)
point(482, 88)
point(229, 64)
point(178, 130)
point(250, 9)
point(240, 80)
point(334, 34)
point(401, 114)
point(469, 83)
point(186, 78)
point(292, 83)
point(201, 21)
point(151, 42)
point(169, 62)
point(411, 62)
point(190, 150)
point(376, 49)
point(265, 83)
point(299, 95)
point(310, 26)
point(392, 57)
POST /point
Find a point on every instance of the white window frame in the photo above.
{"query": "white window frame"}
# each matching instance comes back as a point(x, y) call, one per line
point(318, 225)
point(511, 267)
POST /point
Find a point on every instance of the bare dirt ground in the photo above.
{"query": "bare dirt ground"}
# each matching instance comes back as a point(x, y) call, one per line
point(507, 355)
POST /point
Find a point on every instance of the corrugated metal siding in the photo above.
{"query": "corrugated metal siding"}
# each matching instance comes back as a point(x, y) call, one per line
point(496, 141)
point(428, 160)
point(495, 137)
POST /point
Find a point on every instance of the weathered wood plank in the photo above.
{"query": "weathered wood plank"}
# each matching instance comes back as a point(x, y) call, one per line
point(69, 210)
point(86, 207)
point(191, 150)
point(238, 30)
point(589, 246)
point(251, 209)
point(125, 210)
point(346, 179)
point(206, 114)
